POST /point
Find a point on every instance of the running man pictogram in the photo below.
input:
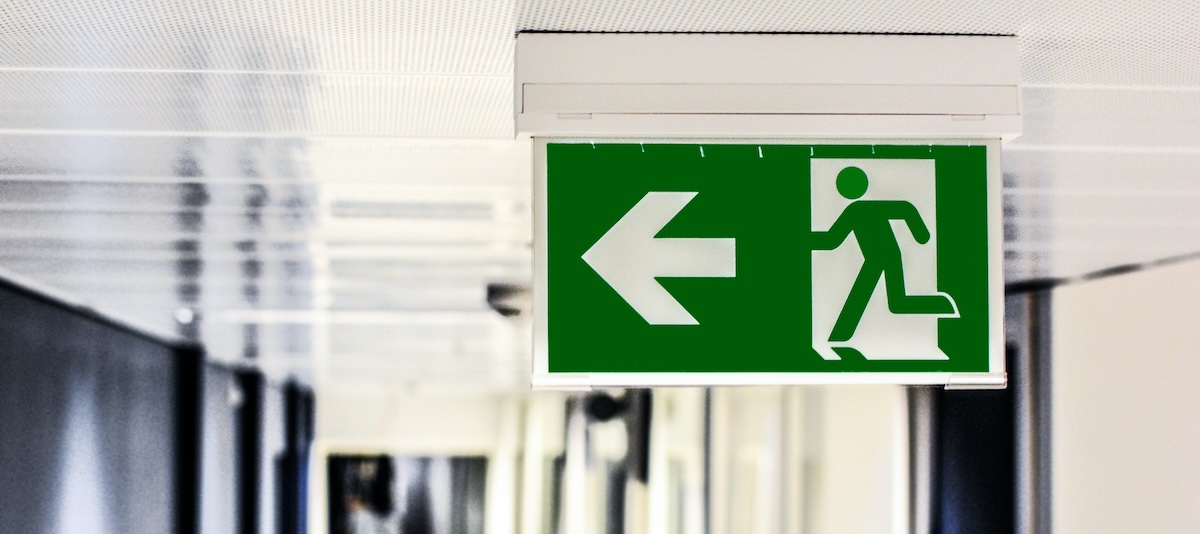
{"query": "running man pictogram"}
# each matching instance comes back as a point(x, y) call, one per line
point(870, 222)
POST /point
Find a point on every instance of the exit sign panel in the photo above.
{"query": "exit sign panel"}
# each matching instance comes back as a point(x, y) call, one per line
point(665, 263)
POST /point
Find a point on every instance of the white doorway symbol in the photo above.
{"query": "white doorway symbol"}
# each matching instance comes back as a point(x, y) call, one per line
point(880, 334)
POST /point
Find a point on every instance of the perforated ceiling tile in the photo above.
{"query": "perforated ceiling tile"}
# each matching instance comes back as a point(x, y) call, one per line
point(1106, 42)
point(456, 165)
point(414, 106)
point(1072, 212)
point(1133, 172)
point(922, 16)
point(151, 159)
point(1111, 42)
point(288, 104)
point(412, 36)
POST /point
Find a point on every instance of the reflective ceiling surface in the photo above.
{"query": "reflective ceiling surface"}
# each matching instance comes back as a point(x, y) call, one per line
point(326, 189)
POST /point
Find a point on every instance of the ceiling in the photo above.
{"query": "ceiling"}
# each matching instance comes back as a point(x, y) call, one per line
point(326, 189)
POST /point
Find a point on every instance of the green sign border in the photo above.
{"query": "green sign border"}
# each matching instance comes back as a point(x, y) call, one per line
point(586, 187)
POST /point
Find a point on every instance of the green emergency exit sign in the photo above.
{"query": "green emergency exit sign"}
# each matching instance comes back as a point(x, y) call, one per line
point(664, 263)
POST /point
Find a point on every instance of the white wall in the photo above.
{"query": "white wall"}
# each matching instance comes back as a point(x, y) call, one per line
point(823, 460)
point(1126, 416)
point(862, 485)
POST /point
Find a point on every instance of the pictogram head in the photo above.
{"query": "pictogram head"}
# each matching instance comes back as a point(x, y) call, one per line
point(852, 182)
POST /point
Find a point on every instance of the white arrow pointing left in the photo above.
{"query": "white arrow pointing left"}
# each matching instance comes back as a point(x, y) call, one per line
point(629, 258)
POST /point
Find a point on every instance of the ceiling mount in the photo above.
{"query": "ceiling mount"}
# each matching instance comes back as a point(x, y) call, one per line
point(767, 85)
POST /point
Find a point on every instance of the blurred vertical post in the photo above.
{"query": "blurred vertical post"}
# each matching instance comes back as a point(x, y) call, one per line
point(922, 451)
point(1028, 320)
point(501, 507)
point(636, 501)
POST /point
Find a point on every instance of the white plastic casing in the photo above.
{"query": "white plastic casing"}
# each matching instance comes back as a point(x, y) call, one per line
point(767, 85)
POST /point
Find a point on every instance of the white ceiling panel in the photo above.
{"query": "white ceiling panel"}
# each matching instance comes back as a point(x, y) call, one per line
point(751, 16)
point(1110, 42)
point(1115, 118)
point(216, 104)
point(413, 36)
